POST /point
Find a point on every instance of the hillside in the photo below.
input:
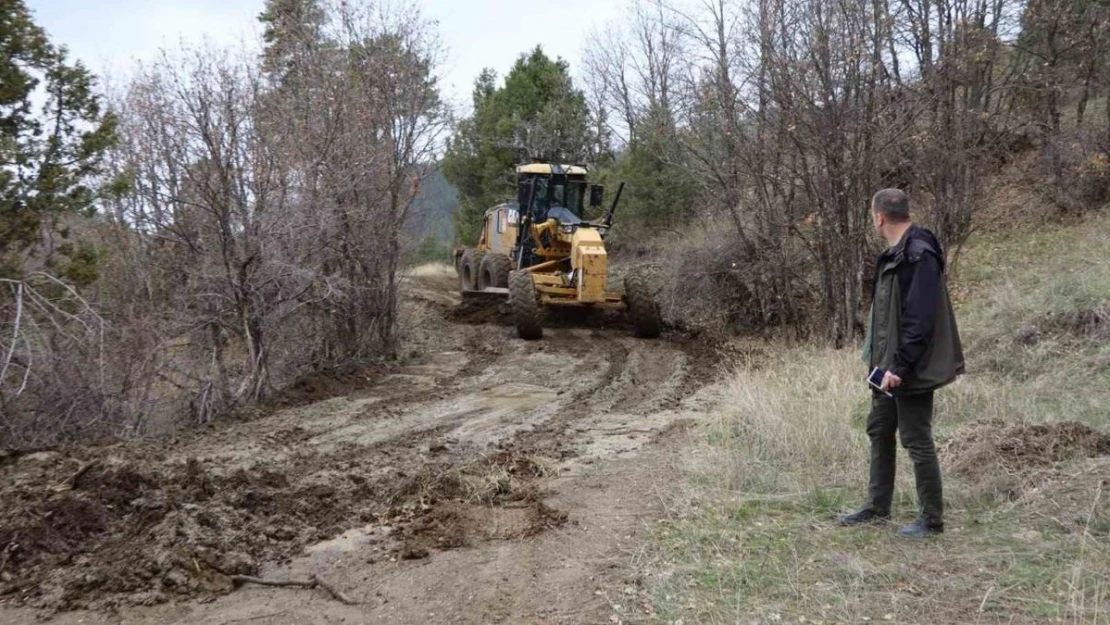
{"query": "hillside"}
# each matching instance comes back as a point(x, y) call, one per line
point(1024, 441)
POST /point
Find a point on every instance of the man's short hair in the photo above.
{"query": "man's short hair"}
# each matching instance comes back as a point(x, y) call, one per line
point(893, 204)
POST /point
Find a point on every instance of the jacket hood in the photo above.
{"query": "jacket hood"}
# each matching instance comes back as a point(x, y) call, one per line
point(917, 241)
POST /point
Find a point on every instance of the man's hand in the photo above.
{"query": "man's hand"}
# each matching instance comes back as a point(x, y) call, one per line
point(890, 382)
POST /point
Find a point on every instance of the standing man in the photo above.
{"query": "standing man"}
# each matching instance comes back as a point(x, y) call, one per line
point(912, 336)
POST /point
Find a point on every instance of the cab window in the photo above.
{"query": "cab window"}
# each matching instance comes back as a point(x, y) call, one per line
point(569, 196)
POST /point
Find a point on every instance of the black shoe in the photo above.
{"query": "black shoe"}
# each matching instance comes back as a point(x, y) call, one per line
point(863, 516)
point(920, 529)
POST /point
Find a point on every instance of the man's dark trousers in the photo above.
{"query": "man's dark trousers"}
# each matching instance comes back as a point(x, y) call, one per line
point(912, 416)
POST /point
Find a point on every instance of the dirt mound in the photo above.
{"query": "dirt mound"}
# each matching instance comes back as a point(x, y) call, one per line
point(479, 312)
point(1084, 324)
point(122, 532)
point(316, 387)
point(460, 524)
point(1011, 455)
point(517, 464)
point(492, 498)
point(87, 529)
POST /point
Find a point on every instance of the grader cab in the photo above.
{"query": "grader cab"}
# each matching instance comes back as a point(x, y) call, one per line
point(540, 252)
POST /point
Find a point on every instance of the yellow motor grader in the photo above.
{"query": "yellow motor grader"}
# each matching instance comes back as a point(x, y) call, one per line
point(539, 252)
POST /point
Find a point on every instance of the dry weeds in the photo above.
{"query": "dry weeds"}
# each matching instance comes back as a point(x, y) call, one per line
point(1024, 448)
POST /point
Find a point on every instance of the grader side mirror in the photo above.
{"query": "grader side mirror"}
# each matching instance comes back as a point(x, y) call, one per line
point(597, 195)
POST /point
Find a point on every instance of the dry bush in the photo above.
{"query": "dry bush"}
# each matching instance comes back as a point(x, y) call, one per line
point(252, 234)
point(1074, 171)
point(53, 364)
point(709, 285)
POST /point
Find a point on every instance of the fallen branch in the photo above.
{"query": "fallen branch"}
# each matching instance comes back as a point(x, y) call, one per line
point(71, 481)
point(332, 590)
point(312, 582)
point(280, 583)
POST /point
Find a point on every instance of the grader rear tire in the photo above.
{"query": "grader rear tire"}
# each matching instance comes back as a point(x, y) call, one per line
point(643, 311)
point(468, 269)
point(527, 311)
point(494, 271)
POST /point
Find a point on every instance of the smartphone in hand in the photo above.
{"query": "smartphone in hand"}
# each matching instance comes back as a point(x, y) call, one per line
point(876, 380)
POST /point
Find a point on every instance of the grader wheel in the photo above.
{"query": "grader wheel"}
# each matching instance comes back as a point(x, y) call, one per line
point(643, 311)
point(494, 271)
point(527, 311)
point(469, 264)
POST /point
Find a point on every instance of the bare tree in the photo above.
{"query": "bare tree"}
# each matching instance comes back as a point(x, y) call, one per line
point(635, 68)
point(792, 113)
point(255, 225)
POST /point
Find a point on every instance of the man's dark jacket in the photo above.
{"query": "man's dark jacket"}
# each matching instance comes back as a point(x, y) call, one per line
point(912, 332)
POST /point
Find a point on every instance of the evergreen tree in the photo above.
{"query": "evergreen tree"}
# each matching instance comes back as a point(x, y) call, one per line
point(536, 114)
point(47, 156)
point(661, 191)
point(293, 30)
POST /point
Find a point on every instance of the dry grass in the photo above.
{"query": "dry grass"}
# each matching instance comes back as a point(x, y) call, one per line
point(786, 425)
point(431, 270)
point(1027, 542)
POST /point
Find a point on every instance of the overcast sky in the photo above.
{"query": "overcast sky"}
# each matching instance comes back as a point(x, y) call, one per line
point(109, 35)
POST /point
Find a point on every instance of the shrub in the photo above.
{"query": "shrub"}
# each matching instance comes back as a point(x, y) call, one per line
point(1075, 170)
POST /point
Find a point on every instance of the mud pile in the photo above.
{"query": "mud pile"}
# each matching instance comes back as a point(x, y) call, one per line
point(1008, 459)
point(89, 529)
point(1083, 325)
point(451, 449)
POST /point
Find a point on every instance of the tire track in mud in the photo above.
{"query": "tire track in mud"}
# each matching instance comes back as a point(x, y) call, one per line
point(401, 453)
point(642, 378)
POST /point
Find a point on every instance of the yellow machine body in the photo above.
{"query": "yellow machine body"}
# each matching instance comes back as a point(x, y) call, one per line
point(540, 252)
point(585, 282)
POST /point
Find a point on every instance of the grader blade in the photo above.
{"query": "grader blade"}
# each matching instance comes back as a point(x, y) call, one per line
point(490, 294)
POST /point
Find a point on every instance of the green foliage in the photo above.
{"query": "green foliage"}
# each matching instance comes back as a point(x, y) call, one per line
point(46, 158)
point(660, 191)
point(430, 249)
point(80, 265)
point(292, 30)
point(537, 114)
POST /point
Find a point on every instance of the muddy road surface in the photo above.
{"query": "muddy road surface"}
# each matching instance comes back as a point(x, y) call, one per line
point(488, 480)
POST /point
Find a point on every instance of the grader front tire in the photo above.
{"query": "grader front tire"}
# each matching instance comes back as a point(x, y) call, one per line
point(525, 305)
point(643, 311)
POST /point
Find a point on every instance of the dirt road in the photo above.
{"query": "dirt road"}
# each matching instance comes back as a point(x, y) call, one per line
point(490, 480)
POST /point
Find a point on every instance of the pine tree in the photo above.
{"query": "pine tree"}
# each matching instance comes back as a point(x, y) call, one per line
point(537, 114)
point(48, 156)
point(293, 30)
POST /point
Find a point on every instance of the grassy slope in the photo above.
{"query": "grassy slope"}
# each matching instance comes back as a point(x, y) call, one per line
point(788, 451)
